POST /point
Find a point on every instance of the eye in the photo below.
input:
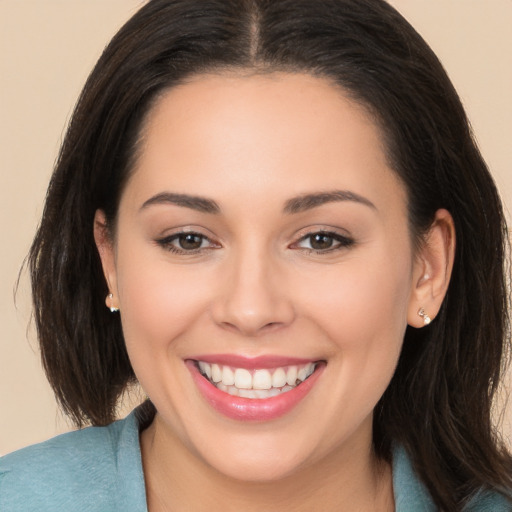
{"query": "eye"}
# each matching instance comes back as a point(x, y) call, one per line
point(189, 241)
point(324, 241)
point(186, 242)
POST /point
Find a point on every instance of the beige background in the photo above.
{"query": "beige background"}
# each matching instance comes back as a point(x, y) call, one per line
point(47, 48)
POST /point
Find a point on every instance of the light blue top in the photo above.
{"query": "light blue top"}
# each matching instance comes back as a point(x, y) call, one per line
point(99, 469)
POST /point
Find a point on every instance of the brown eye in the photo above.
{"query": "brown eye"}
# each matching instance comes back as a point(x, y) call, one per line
point(190, 241)
point(186, 243)
point(321, 241)
point(324, 242)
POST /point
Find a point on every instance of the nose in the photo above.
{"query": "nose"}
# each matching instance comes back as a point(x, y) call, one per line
point(253, 298)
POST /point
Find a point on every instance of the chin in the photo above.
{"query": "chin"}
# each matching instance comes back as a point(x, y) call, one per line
point(268, 454)
point(257, 469)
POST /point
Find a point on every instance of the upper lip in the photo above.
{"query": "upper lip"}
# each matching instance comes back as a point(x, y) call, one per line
point(252, 363)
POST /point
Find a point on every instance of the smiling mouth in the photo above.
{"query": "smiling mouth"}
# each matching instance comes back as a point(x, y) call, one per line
point(257, 384)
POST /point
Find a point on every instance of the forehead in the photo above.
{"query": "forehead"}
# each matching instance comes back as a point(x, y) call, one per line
point(270, 136)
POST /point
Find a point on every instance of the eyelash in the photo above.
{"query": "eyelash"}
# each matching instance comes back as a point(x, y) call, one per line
point(341, 241)
point(167, 243)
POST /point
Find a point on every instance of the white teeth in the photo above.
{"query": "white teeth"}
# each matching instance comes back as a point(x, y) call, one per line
point(262, 380)
point(279, 378)
point(243, 378)
point(264, 393)
point(216, 373)
point(258, 383)
point(228, 377)
point(254, 393)
point(206, 369)
point(291, 376)
point(247, 393)
point(304, 372)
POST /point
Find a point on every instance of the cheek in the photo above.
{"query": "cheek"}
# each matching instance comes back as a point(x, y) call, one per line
point(360, 296)
point(361, 307)
point(364, 320)
point(159, 301)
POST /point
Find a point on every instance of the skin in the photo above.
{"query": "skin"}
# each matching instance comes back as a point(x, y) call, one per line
point(251, 143)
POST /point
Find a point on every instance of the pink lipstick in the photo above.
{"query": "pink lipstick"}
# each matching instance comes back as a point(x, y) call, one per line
point(254, 389)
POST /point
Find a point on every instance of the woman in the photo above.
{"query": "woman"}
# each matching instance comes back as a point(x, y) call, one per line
point(302, 256)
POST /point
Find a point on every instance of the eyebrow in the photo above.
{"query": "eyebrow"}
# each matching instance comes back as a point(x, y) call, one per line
point(294, 205)
point(308, 201)
point(201, 204)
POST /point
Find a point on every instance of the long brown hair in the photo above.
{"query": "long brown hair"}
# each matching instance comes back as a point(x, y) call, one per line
point(438, 405)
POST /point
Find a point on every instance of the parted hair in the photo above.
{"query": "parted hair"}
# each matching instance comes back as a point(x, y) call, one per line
point(439, 402)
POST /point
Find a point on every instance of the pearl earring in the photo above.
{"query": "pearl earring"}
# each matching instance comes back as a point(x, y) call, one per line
point(112, 308)
point(426, 318)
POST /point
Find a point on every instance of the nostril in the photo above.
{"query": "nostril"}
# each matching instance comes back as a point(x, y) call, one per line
point(253, 330)
point(251, 306)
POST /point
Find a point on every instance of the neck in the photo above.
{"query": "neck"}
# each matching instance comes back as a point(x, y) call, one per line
point(179, 480)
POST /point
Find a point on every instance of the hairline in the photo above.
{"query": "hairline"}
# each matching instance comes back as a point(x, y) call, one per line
point(261, 69)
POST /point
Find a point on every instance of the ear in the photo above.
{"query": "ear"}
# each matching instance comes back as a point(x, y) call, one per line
point(432, 269)
point(105, 246)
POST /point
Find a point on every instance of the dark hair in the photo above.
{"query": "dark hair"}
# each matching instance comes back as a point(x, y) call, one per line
point(438, 405)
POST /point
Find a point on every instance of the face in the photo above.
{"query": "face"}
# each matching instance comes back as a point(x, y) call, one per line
point(264, 271)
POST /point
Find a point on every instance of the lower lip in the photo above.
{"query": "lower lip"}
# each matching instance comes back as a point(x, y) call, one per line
point(253, 409)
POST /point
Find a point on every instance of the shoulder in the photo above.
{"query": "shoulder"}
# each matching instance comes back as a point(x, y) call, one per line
point(489, 502)
point(74, 471)
point(411, 494)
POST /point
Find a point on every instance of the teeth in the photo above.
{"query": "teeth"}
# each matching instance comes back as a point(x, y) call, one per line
point(262, 380)
point(247, 393)
point(216, 373)
point(291, 376)
point(258, 383)
point(302, 374)
point(233, 391)
point(274, 392)
point(243, 378)
point(206, 369)
point(279, 378)
point(266, 393)
point(228, 377)
point(254, 393)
